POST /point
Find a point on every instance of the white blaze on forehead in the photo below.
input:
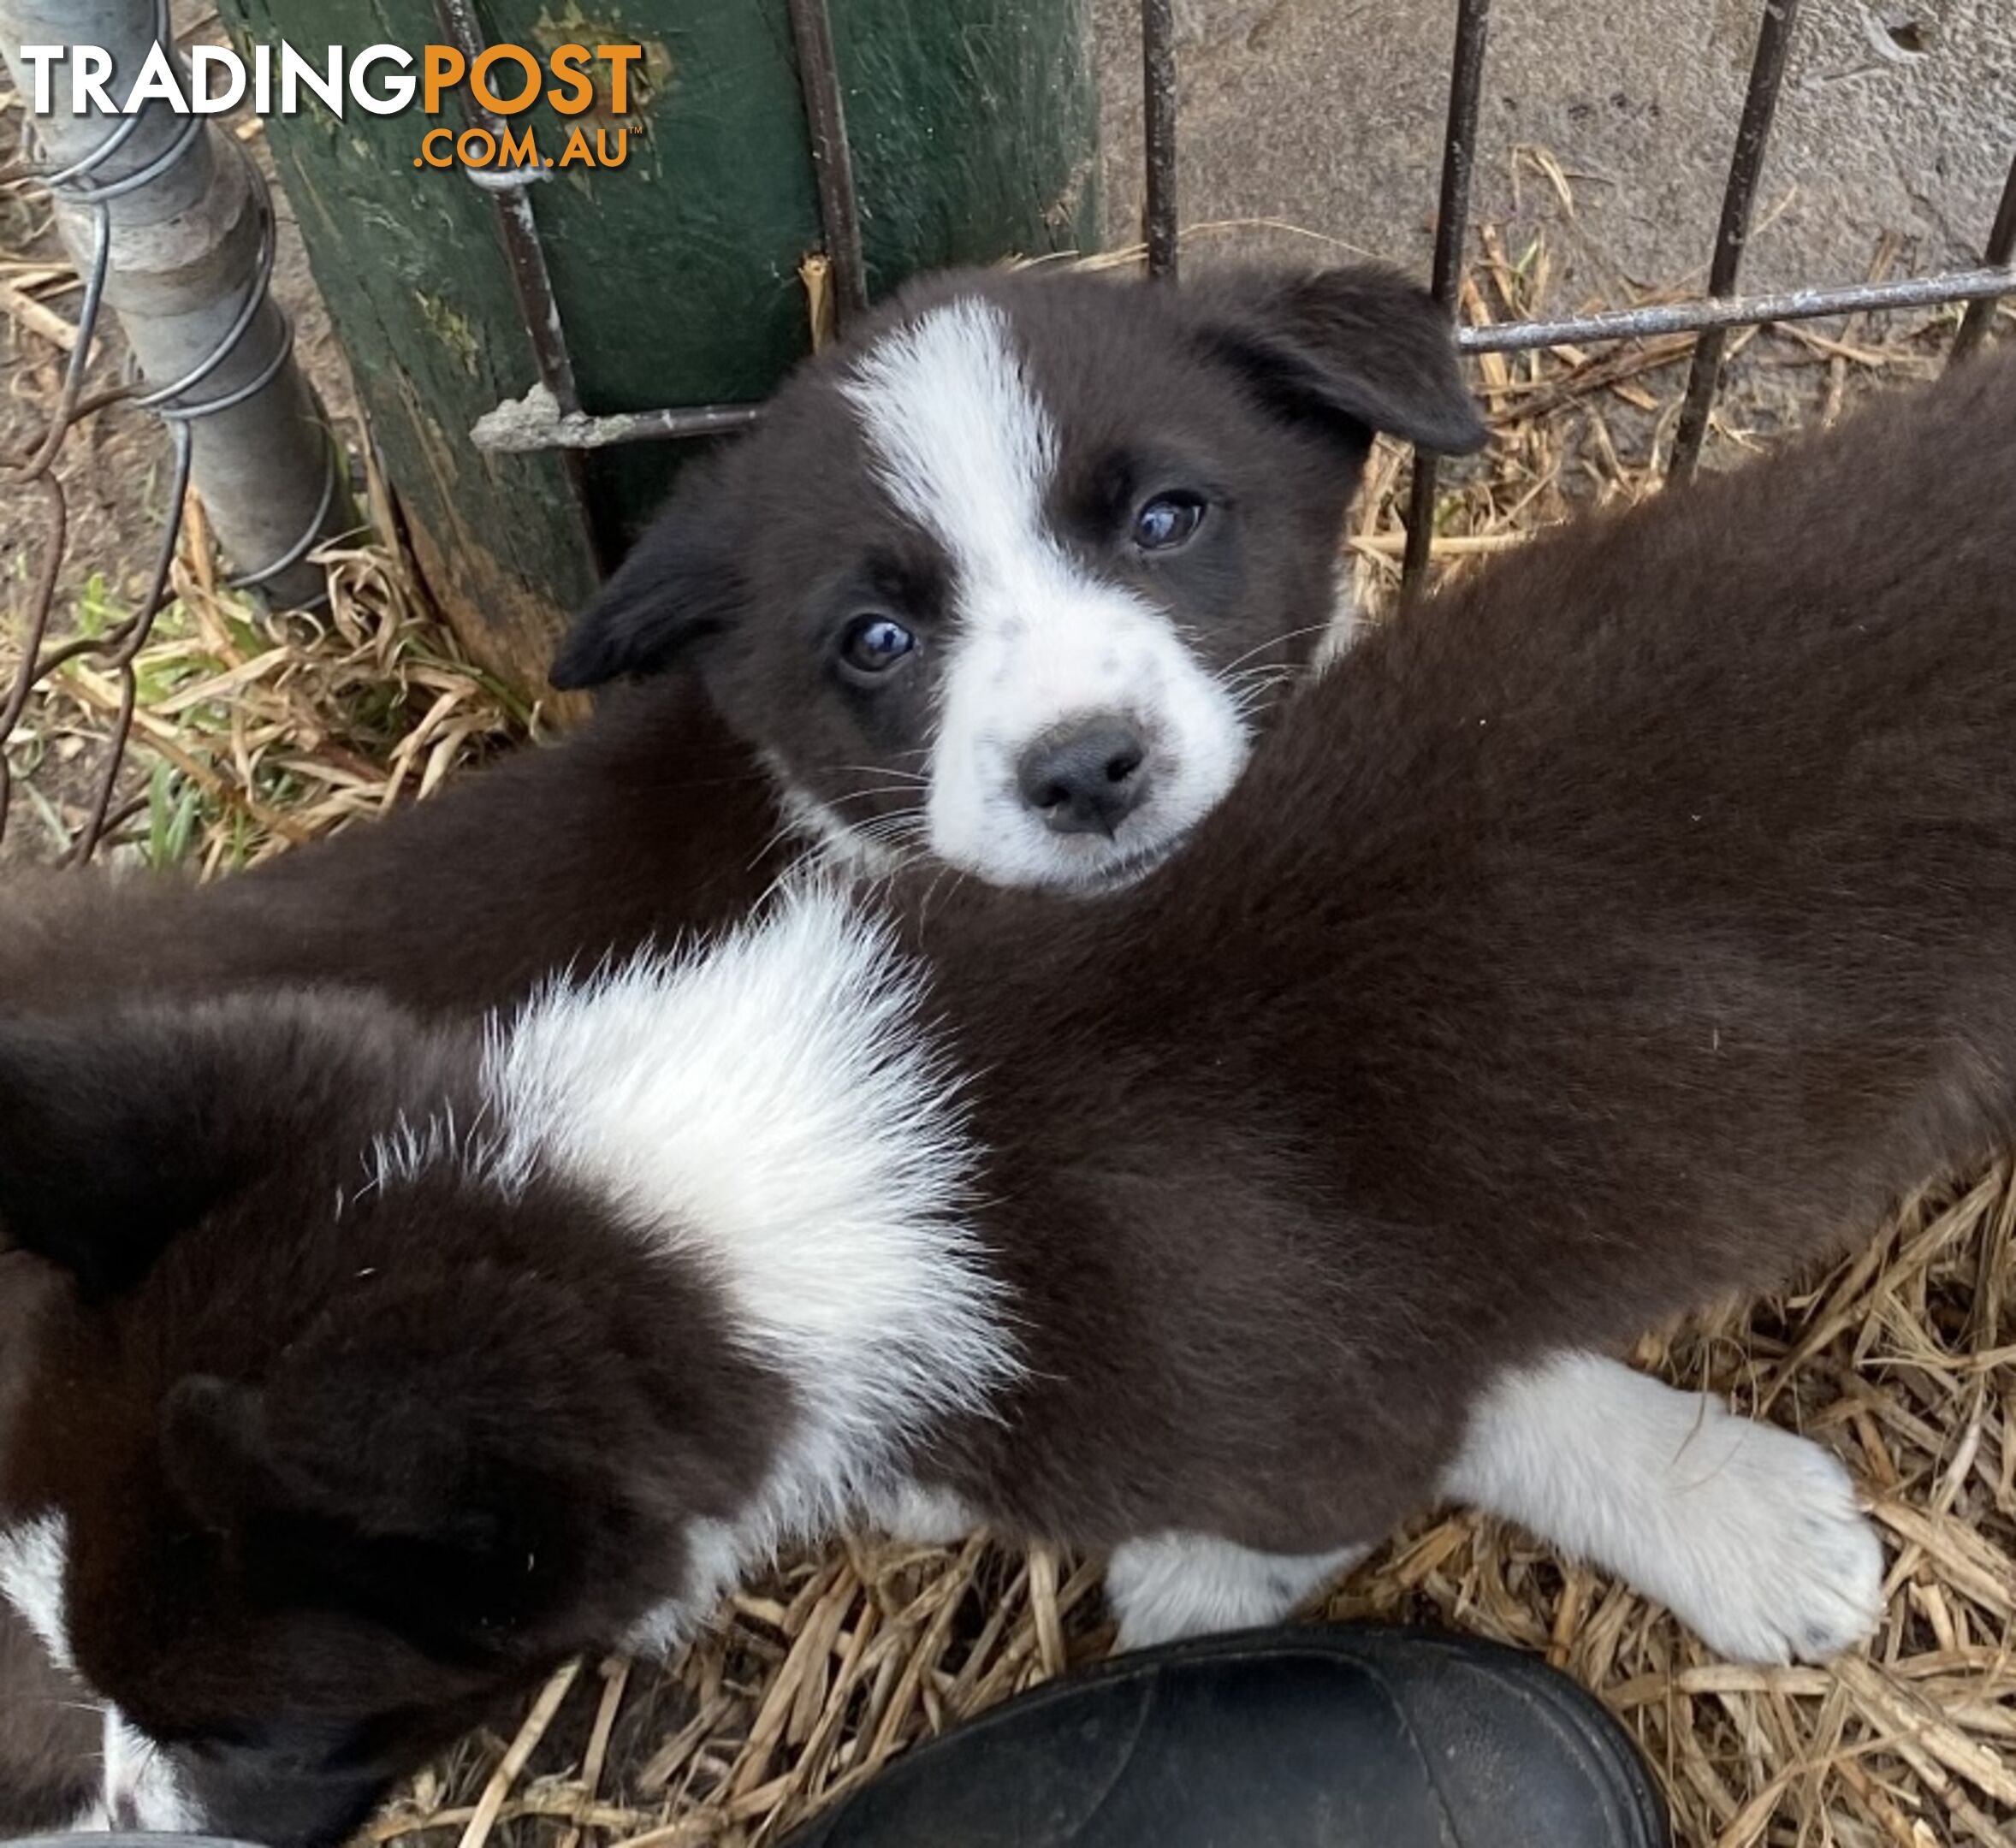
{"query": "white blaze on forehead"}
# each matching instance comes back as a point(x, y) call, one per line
point(964, 447)
point(32, 1558)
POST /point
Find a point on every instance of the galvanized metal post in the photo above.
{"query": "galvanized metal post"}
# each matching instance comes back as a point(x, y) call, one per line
point(178, 218)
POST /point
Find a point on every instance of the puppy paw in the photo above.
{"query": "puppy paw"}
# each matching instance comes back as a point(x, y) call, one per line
point(1769, 1557)
point(1168, 1586)
point(1749, 1534)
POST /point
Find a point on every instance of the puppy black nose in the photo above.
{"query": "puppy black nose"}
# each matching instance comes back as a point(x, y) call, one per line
point(1086, 777)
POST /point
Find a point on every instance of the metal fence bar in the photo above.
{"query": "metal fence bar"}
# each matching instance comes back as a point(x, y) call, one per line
point(525, 253)
point(1452, 224)
point(833, 159)
point(525, 425)
point(2001, 249)
point(1157, 93)
point(524, 429)
point(1760, 104)
point(1978, 285)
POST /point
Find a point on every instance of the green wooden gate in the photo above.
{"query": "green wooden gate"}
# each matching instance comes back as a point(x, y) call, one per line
point(677, 278)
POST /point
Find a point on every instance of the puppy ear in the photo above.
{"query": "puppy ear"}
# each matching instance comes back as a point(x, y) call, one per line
point(679, 585)
point(213, 1448)
point(485, 1516)
point(111, 1142)
point(121, 1128)
point(1362, 345)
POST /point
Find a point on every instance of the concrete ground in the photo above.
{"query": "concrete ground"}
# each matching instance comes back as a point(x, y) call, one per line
point(1898, 116)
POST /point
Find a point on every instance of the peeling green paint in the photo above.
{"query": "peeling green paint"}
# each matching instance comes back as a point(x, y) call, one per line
point(570, 24)
point(453, 329)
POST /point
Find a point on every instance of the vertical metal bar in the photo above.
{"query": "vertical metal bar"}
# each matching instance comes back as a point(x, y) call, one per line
point(1157, 90)
point(1452, 224)
point(1760, 103)
point(833, 159)
point(538, 310)
point(2001, 248)
point(531, 280)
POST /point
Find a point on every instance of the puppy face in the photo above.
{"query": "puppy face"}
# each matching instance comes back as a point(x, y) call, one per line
point(1010, 578)
point(291, 1539)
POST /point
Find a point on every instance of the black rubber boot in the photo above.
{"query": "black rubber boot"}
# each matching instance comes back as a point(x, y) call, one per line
point(1304, 1737)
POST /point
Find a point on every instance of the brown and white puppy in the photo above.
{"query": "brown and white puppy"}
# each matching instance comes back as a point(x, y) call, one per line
point(1636, 920)
point(1009, 578)
point(658, 821)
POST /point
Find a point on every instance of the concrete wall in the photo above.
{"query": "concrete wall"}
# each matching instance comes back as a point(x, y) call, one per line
point(1898, 115)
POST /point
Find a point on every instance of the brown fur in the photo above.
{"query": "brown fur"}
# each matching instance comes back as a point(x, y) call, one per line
point(652, 823)
point(1629, 926)
point(649, 824)
point(1259, 390)
point(658, 823)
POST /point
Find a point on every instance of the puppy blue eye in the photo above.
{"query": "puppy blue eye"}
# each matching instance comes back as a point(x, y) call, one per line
point(874, 644)
point(1168, 521)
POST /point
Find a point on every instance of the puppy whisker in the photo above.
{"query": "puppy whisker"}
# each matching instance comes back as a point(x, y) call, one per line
point(888, 770)
point(1279, 641)
point(865, 795)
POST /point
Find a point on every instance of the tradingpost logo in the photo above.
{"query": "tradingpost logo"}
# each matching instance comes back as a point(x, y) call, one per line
point(503, 81)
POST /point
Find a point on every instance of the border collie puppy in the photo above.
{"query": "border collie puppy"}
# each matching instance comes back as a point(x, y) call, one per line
point(1637, 921)
point(1008, 577)
point(650, 821)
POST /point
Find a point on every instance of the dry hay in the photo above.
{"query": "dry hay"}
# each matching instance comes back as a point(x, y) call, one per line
point(255, 731)
point(1903, 1359)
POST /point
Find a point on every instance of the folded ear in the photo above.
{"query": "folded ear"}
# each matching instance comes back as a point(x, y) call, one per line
point(489, 1513)
point(679, 585)
point(121, 1128)
point(1362, 345)
point(460, 1550)
point(113, 1138)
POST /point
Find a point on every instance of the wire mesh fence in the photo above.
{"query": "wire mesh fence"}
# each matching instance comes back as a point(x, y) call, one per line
point(245, 352)
point(179, 403)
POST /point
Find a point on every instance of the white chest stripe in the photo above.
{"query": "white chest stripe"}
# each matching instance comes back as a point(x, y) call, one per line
point(32, 1557)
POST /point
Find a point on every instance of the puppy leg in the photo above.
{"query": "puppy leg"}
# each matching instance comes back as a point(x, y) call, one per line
point(1749, 1534)
point(1170, 1585)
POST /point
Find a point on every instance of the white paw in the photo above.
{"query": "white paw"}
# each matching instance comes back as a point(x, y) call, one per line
point(1768, 1557)
point(1171, 1586)
point(1749, 1534)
